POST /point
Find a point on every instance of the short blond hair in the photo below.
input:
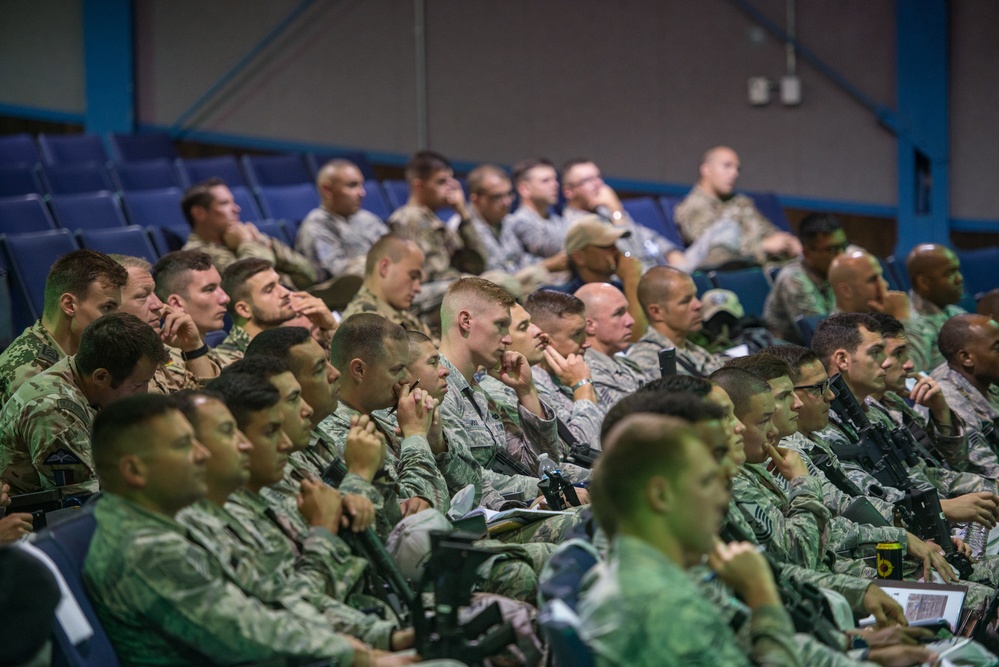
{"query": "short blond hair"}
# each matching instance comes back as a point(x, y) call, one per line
point(465, 292)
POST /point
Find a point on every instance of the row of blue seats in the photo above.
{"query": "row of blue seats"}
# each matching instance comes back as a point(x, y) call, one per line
point(70, 149)
point(64, 179)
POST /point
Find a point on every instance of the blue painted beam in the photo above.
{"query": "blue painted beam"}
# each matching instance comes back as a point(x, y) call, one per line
point(922, 91)
point(108, 53)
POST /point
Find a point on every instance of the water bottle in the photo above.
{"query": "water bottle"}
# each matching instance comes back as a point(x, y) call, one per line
point(546, 466)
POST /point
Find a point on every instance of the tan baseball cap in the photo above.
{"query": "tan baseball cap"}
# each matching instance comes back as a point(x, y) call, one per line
point(592, 230)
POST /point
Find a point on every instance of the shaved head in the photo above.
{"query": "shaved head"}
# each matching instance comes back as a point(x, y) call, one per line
point(935, 274)
point(856, 281)
point(608, 323)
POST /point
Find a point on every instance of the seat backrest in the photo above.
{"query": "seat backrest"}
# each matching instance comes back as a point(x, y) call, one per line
point(645, 211)
point(67, 544)
point(19, 179)
point(249, 209)
point(560, 626)
point(196, 170)
point(668, 205)
point(275, 170)
point(70, 179)
point(30, 256)
point(274, 229)
point(95, 210)
point(21, 215)
point(158, 208)
point(897, 269)
point(768, 203)
point(397, 192)
point(131, 240)
point(750, 285)
point(374, 200)
point(18, 149)
point(359, 158)
point(702, 282)
point(146, 175)
point(562, 577)
point(138, 147)
point(72, 148)
point(288, 202)
point(807, 324)
point(979, 269)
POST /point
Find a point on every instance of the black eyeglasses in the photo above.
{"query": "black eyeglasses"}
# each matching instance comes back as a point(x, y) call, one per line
point(818, 390)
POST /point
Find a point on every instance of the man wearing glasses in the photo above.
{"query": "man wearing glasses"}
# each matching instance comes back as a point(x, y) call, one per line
point(802, 287)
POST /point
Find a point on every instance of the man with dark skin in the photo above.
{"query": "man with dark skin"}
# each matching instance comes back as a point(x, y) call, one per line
point(937, 287)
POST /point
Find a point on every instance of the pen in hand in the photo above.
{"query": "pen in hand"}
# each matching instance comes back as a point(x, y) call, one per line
point(411, 388)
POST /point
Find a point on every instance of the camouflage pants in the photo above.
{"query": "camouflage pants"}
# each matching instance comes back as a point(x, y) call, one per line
point(553, 529)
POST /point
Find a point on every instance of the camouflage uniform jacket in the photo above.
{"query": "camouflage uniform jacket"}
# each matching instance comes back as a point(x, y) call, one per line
point(583, 417)
point(797, 291)
point(922, 329)
point(233, 347)
point(542, 237)
point(504, 250)
point(435, 239)
point(792, 526)
point(503, 402)
point(846, 537)
point(474, 428)
point(45, 433)
point(978, 415)
point(700, 210)
point(409, 470)
point(164, 600)
point(266, 566)
point(691, 359)
point(640, 608)
point(338, 245)
point(174, 376)
point(294, 268)
point(646, 244)
point(27, 355)
point(365, 301)
point(613, 377)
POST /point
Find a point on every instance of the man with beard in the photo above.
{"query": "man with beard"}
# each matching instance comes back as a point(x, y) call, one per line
point(258, 301)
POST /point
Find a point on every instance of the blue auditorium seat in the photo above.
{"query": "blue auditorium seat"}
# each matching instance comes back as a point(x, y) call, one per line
point(769, 205)
point(288, 202)
point(750, 285)
point(898, 270)
point(668, 204)
point(645, 211)
point(158, 208)
point(27, 213)
point(807, 324)
point(92, 210)
point(275, 229)
point(67, 544)
point(276, 170)
point(139, 147)
point(560, 626)
point(702, 282)
point(146, 175)
point(374, 200)
point(20, 179)
point(72, 148)
point(18, 149)
point(979, 269)
point(360, 158)
point(249, 209)
point(71, 179)
point(196, 170)
point(29, 257)
point(131, 240)
point(397, 192)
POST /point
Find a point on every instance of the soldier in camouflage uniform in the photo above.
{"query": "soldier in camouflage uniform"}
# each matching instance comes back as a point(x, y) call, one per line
point(644, 585)
point(562, 376)
point(968, 380)
point(801, 288)
point(392, 278)
point(609, 330)
point(191, 363)
point(81, 286)
point(216, 230)
point(336, 236)
point(669, 299)
point(712, 202)
point(937, 287)
point(540, 229)
point(45, 426)
point(259, 302)
point(160, 596)
point(263, 560)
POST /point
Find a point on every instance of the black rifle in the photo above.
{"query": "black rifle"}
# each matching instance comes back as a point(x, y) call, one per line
point(558, 491)
point(504, 463)
point(582, 456)
point(805, 603)
point(394, 590)
point(886, 458)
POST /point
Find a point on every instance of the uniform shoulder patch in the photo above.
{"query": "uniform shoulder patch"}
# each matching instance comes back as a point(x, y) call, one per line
point(72, 406)
point(48, 353)
point(61, 457)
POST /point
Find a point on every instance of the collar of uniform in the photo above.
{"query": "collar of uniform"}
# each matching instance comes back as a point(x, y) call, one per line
point(455, 380)
point(119, 506)
point(923, 306)
point(656, 338)
point(39, 330)
point(247, 498)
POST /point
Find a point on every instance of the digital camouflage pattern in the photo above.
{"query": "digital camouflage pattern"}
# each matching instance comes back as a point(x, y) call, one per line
point(27, 355)
point(165, 600)
point(233, 347)
point(613, 377)
point(365, 301)
point(978, 414)
point(691, 359)
point(699, 211)
point(583, 417)
point(336, 244)
point(294, 269)
point(922, 329)
point(542, 237)
point(797, 292)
